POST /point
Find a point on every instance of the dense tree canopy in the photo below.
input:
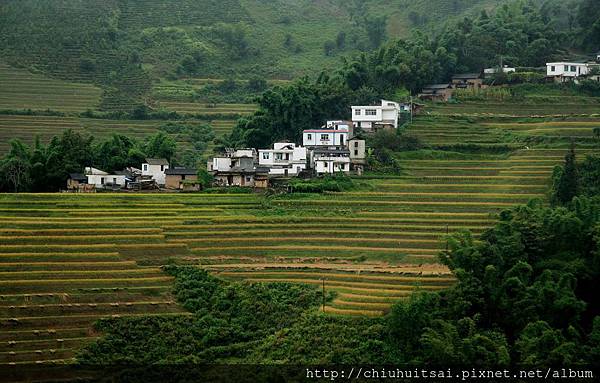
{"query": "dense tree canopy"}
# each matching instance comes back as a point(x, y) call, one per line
point(46, 167)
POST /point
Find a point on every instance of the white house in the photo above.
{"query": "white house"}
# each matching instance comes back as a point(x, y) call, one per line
point(371, 118)
point(567, 70)
point(329, 161)
point(101, 179)
point(325, 137)
point(155, 168)
point(285, 159)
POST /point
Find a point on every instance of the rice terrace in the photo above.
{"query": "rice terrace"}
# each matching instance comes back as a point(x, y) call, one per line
point(184, 189)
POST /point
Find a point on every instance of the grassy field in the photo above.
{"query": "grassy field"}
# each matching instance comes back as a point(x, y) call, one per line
point(21, 89)
point(26, 128)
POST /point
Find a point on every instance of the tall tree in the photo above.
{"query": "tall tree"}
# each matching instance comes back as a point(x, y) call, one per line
point(567, 185)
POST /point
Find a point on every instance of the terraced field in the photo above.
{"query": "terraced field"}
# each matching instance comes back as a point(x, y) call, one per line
point(532, 106)
point(26, 128)
point(208, 109)
point(21, 89)
point(64, 263)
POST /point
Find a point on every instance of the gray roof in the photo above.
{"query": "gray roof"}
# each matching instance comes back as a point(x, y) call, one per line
point(157, 161)
point(262, 170)
point(464, 76)
point(331, 151)
point(437, 86)
point(181, 171)
point(77, 177)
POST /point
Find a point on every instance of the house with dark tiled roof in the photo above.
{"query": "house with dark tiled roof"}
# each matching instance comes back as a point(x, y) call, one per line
point(467, 81)
point(436, 92)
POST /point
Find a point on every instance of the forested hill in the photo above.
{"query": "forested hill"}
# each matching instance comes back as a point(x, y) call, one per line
point(126, 46)
point(135, 40)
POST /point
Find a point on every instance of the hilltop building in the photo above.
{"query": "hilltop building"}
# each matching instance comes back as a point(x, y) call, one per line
point(373, 118)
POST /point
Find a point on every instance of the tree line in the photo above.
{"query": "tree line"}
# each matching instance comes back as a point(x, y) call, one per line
point(45, 168)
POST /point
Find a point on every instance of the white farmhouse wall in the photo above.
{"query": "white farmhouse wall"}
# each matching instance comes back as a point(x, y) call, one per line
point(322, 137)
point(99, 180)
point(566, 69)
point(156, 171)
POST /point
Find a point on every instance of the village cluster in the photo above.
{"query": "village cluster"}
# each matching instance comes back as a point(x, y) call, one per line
point(331, 148)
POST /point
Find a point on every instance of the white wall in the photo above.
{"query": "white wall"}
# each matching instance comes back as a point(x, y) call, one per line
point(387, 111)
point(319, 137)
point(100, 179)
point(221, 164)
point(328, 165)
point(156, 171)
point(292, 160)
point(566, 69)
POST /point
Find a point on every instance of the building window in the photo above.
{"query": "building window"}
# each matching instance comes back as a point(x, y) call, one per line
point(102, 181)
point(356, 144)
point(162, 168)
point(356, 152)
point(309, 136)
point(265, 155)
point(248, 179)
point(566, 68)
point(279, 156)
point(183, 177)
point(573, 68)
point(145, 167)
point(371, 112)
point(553, 68)
point(391, 104)
point(342, 166)
point(324, 137)
point(114, 180)
point(357, 112)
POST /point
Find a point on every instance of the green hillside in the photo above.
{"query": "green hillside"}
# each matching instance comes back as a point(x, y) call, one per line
point(283, 38)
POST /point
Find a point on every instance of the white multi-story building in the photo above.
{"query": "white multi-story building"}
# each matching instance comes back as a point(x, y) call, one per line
point(563, 71)
point(335, 136)
point(372, 118)
point(285, 159)
point(155, 168)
